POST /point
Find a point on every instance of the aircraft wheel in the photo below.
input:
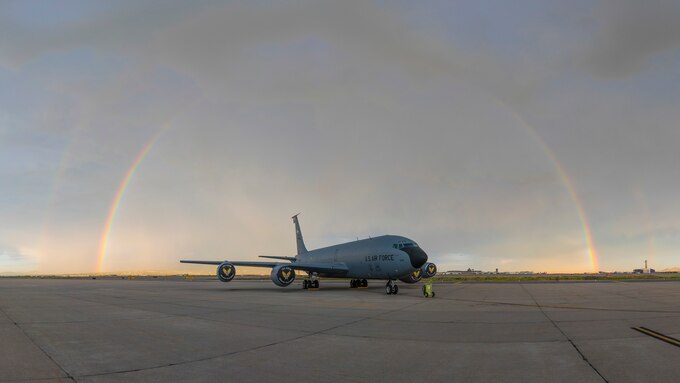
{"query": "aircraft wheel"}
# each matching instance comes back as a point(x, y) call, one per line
point(395, 289)
point(433, 294)
point(364, 283)
point(388, 289)
point(304, 284)
point(315, 284)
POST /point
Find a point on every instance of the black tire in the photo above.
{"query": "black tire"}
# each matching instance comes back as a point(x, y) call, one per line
point(388, 289)
point(315, 284)
point(433, 294)
point(364, 283)
point(395, 289)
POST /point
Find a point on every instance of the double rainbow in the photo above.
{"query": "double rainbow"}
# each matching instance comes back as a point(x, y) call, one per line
point(564, 176)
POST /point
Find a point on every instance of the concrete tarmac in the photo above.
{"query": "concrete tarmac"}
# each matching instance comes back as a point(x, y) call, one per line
point(111, 330)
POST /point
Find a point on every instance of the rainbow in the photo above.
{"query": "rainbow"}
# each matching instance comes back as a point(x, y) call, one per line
point(564, 176)
point(566, 181)
point(104, 242)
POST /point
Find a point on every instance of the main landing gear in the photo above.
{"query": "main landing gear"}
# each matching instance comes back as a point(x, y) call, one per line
point(311, 283)
point(354, 283)
point(391, 287)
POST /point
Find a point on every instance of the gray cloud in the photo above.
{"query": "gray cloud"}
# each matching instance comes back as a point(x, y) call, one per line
point(630, 32)
point(361, 115)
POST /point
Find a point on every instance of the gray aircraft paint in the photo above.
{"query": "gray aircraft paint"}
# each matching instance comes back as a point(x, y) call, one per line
point(301, 248)
point(372, 258)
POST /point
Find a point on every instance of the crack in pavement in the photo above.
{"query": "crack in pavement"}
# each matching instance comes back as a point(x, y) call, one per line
point(564, 334)
point(66, 373)
point(252, 348)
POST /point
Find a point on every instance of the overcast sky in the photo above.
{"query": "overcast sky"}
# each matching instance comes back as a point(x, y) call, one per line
point(496, 134)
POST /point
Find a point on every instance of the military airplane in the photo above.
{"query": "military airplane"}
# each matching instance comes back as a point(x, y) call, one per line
point(387, 257)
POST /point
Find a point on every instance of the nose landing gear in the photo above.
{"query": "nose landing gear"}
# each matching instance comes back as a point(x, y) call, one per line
point(391, 287)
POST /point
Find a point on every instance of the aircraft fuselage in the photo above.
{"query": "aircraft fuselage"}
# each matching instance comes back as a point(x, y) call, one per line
point(389, 257)
point(372, 258)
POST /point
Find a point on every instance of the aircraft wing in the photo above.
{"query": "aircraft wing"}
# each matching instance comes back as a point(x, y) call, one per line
point(237, 263)
point(312, 267)
point(320, 267)
point(292, 259)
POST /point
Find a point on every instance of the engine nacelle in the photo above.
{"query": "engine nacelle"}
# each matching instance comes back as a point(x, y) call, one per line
point(283, 275)
point(413, 277)
point(429, 270)
point(226, 272)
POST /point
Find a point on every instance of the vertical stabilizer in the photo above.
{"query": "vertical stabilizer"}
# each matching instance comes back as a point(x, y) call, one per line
point(301, 249)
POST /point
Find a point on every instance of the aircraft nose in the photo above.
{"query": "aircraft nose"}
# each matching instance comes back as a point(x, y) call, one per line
point(416, 255)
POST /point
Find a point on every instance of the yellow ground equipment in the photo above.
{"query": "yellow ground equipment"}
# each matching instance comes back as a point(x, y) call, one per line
point(428, 291)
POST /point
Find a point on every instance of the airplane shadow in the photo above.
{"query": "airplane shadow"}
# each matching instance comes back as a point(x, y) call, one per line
point(298, 289)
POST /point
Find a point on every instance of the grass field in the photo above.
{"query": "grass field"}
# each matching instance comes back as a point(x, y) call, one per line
point(552, 277)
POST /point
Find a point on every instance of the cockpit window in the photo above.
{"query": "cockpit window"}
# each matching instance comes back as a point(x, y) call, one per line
point(402, 245)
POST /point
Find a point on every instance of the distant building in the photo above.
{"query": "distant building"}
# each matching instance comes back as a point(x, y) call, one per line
point(645, 270)
point(463, 272)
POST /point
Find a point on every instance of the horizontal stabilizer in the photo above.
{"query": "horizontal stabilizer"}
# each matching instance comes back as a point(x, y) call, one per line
point(292, 259)
point(202, 262)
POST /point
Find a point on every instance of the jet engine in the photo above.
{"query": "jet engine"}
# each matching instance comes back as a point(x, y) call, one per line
point(429, 270)
point(412, 277)
point(283, 275)
point(226, 272)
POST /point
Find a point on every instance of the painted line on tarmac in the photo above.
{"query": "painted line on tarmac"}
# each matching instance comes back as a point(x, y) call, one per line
point(658, 335)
